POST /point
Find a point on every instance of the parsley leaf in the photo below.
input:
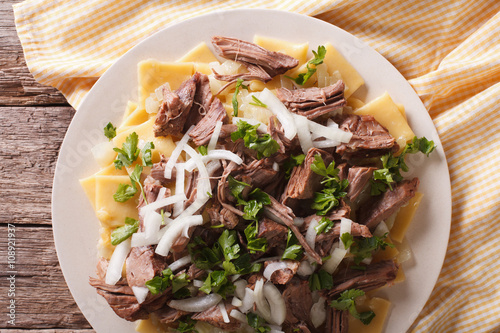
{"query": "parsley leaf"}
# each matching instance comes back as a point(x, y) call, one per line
point(159, 284)
point(346, 303)
point(128, 153)
point(124, 192)
point(186, 326)
point(264, 144)
point(218, 282)
point(257, 102)
point(254, 243)
point(347, 239)
point(146, 154)
point(324, 225)
point(110, 131)
point(293, 250)
point(292, 162)
point(320, 280)
point(239, 83)
point(317, 60)
point(203, 150)
point(363, 248)
point(257, 199)
point(334, 188)
point(390, 173)
point(257, 323)
point(125, 231)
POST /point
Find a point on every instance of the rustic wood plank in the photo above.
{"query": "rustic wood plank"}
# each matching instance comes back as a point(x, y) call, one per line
point(42, 298)
point(17, 85)
point(46, 331)
point(31, 137)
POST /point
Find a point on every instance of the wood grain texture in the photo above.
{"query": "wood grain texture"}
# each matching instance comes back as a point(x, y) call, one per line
point(41, 296)
point(17, 85)
point(31, 137)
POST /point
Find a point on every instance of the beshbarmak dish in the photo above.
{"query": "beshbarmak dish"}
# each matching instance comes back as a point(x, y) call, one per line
point(251, 192)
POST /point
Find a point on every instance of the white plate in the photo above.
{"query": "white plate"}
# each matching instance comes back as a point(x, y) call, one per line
point(76, 227)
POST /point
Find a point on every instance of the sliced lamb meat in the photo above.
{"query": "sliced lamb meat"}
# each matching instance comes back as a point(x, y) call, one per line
point(213, 316)
point(174, 109)
point(375, 276)
point(369, 138)
point(204, 129)
point(273, 232)
point(220, 215)
point(324, 241)
point(284, 215)
point(358, 178)
point(383, 206)
point(158, 172)
point(275, 129)
point(142, 265)
point(283, 275)
point(262, 64)
point(336, 321)
point(102, 267)
point(151, 188)
point(303, 181)
point(202, 100)
point(260, 172)
point(313, 102)
point(298, 300)
point(167, 315)
point(226, 130)
point(121, 299)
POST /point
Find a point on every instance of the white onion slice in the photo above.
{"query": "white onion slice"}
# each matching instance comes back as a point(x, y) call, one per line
point(345, 227)
point(276, 303)
point(179, 263)
point(103, 153)
point(152, 223)
point(279, 109)
point(248, 300)
point(140, 239)
point(260, 300)
point(223, 311)
point(262, 127)
point(216, 154)
point(175, 229)
point(298, 221)
point(196, 304)
point(333, 262)
point(240, 288)
point(381, 230)
point(204, 187)
point(115, 267)
point(311, 232)
point(273, 267)
point(198, 283)
point(305, 268)
point(318, 312)
point(238, 316)
point(152, 105)
point(215, 136)
point(179, 188)
point(176, 153)
point(326, 143)
point(236, 302)
point(331, 132)
point(161, 203)
point(405, 252)
point(140, 293)
point(303, 133)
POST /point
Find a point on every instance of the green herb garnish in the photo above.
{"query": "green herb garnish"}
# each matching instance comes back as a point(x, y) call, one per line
point(110, 131)
point(292, 162)
point(128, 153)
point(125, 231)
point(146, 154)
point(324, 225)
point(346, 303)
point(239, 83)
point(159, 284)
point(293, 250)
point(320, 280)
point(257, 102)
point(317, 60)
point(257, 323)
point(264, 144)
point(186, 326)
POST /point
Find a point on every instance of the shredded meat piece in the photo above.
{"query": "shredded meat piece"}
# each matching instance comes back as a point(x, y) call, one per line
point(261, 64)
point(313, 102)
point(337, 321)
point(298, 300)
point(169, 315)
point(383, 206)
point(283, 276)
point(213, 316)
point(142, 265)
point(369, 138)
point(358, 178)
point(203, 131)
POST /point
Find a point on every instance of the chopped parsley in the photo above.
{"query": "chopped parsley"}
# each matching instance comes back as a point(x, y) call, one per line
point(186, 326)
point(257, 323)
point(364, 247)
point(334, 188)
point(126, 191)
point(203, 150)
point(257, 102)
point(128, 153)
point(159, 284)
point(253, 243)
point(109, 131)
point(320, 280)
point(346, 303)
point(239, 84)
point(292, 162)
point(293, 250)
point(125, 231)
point(146, 154)
point(324, 225)
point(317, 60)
point(390, 173)
point(264, 144)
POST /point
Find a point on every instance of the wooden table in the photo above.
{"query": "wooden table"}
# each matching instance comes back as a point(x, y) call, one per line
point(33, 121)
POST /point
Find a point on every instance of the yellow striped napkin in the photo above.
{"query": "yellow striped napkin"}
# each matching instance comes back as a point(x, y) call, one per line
point(448, 50)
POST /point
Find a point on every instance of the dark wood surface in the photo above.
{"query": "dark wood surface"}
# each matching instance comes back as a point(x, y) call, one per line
point(33, 122)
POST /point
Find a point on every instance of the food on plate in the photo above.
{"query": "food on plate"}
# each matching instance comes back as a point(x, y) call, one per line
point(255, 194)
